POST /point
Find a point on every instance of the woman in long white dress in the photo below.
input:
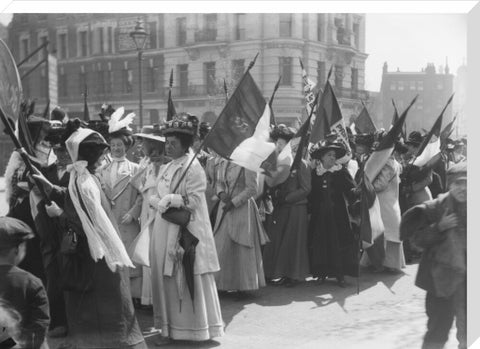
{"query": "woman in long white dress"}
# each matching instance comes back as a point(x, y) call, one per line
point(179, 314)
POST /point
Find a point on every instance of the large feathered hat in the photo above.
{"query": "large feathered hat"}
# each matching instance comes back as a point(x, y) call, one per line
point(119, 126)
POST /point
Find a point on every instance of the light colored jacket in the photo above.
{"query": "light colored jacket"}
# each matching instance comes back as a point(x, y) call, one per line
point(192, 188)
point(386, 185)
point(124, 198)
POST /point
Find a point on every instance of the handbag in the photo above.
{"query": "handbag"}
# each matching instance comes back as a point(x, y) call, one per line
point(76, 268)
point(179, 216)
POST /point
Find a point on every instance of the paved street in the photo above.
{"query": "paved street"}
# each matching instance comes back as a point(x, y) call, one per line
point(388, 313)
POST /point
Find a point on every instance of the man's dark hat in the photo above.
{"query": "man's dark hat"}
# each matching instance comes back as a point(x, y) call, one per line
point(319, 149)
point(414, 138)
point(59, 115)
point(13, 232)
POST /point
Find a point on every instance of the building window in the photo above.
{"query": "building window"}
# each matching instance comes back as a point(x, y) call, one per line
point(412, 85)
point(439, 85)
point(338, 76)
point(153, 34)
point(62, 84)
point(356, 35)
point(209, 69)
point(110, 39)
point(62, 46)
point(83, 44)
point(101, 82)
point(43, 52)
point(211, 26)
point(400, 86)
point(24, 48)
point(420, 85)
point(354, 79)
point(238, 67)
point(393, 86)
point(109, 81)
point(285, 25)
point(340, 31)
point(127, 78)
point(181, 31)
point(82, 78)
point(154, 117)
point(183, 79)
point(100, 41)
point(151, 79)
point(239, 26)
point(305, 26)
point(320, 73)
point(286, 70)
point(319, 26)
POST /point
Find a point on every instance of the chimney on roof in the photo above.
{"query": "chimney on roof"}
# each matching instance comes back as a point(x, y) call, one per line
point(447, 69)
point(385, 68)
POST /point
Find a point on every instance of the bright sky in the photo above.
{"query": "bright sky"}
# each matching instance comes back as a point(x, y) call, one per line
point(410, 41)
point(406, 41)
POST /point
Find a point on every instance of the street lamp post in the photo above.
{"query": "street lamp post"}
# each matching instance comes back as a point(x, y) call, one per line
point(139, 36)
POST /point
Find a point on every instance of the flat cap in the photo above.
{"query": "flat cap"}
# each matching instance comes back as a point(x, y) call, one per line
point(13, 231)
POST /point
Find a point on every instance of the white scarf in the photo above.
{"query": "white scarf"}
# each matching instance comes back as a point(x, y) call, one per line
point(320, 170)
point(103, 239)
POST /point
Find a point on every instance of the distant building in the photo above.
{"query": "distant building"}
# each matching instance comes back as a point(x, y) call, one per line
point(202, 49)
point(433, 89)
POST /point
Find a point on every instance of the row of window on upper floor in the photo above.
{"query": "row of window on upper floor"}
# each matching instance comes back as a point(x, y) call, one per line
point(413, 85)
point(109, 39)
point(104, 80)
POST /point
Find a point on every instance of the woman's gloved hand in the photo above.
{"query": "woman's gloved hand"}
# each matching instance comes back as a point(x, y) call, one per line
point(53, 210)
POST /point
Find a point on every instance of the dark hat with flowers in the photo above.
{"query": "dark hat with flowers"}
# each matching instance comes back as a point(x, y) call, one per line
point(182, 123)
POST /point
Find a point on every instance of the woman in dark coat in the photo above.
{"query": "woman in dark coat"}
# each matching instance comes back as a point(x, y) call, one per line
point(94, 272)
point(333, 248)
point(286, 255)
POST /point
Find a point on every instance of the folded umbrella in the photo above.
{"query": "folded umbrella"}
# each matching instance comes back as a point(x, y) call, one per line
point(188, 242)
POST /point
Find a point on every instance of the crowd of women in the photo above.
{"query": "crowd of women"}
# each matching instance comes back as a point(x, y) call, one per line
point(176, 230)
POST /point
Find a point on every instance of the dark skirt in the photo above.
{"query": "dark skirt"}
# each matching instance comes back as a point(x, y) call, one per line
point(104, 317)
point(286, 254)
point(333, 252)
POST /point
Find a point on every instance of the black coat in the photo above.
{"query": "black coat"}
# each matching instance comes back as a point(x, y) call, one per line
point(333, 248)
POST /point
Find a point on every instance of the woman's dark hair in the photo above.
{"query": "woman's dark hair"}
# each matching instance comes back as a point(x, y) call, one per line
point(185, 140)
point(125, 137)
point(90, 150)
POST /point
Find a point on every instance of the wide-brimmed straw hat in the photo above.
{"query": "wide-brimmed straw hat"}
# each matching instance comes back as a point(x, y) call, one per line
point(152, 132)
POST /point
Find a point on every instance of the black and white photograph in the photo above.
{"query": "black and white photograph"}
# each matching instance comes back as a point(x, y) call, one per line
point(199, 175)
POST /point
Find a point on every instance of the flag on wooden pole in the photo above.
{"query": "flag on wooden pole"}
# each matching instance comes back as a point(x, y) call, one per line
point(364, 123)
point(242, 130)
point(171, 112)
point(371, 226)
point(431, 143)
point(86, 113)
point(329, 117)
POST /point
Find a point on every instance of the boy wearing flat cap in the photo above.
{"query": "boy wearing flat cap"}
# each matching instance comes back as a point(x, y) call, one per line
point(20, 291)
point(439, 228)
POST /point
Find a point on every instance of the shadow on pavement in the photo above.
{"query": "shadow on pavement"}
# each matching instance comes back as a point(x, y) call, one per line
point(322, 294)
